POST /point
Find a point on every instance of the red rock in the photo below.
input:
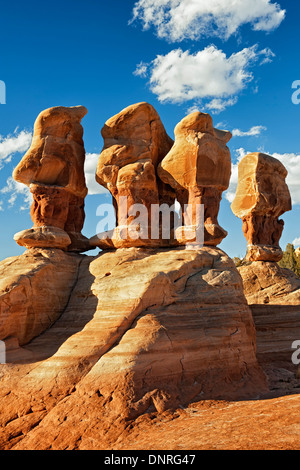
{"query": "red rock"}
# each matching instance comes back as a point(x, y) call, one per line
point(144, 331)
point(198, 168)
point(135, 141)
point(273, 294)
point(53, 168)
point(34, 290)
point(262, 197)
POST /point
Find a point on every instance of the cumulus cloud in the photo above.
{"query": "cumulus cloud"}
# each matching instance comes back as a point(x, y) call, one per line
point(255, 131)
point(18, 142)
point(209, 74)
point(291, 161)
point(17, 192)
point(176, 20)
point(296, 242)
point(90, 168)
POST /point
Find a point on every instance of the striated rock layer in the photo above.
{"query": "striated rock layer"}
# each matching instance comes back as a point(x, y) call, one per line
point(273, 294)
point(34, 291)
point(144, 331)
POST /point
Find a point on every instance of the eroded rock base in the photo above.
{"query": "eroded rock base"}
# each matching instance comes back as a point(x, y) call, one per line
point(144, 331)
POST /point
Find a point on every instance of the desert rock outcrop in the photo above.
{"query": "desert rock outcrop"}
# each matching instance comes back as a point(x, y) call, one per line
point(273, 294)
point(53, 169)
point(144, 331)
point(34, 290)
point(262, 197)
point(198, 168)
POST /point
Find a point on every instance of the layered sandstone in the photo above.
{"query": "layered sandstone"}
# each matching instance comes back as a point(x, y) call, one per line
point(143, 331)
point(53, 169)
point(262, 197)
point(135, 142)
point(198, 168)
point(34, 291)
point(273, 294)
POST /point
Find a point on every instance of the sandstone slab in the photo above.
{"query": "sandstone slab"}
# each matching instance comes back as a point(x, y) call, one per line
point(273, 294)
point(34, 290)
point(144, 331)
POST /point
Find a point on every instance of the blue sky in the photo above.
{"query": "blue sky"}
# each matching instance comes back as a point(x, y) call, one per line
point(236, 60)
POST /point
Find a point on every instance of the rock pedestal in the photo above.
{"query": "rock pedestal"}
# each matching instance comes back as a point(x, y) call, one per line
point(198, 168)
point(53, 168)
point(262, 197)
point(135, 142)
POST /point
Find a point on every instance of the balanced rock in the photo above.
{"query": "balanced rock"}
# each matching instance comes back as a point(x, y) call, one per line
point(198, 168)
point(135, 142)
point(53, 169)
point(262, 197)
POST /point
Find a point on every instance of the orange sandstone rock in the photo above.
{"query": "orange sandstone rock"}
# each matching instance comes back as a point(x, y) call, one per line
point(34, 290)
point(53, 168)
point(262, 197)
point(198, 168)
point(135, 141)
point(144, 331)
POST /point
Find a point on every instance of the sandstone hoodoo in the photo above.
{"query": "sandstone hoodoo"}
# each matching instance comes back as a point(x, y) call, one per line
point(53, 169)
point(262, 197)
point(135, 142)
point(198, 168)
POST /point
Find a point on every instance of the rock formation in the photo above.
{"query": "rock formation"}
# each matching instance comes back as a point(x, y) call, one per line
point(273, 294)
point(262, 197)
point(34, 291)
point(98, 346)
point(144, 331)
point(135, 142)
point(53, 169)
point(198, 168)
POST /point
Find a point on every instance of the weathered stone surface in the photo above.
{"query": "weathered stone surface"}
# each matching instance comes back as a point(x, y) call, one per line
point(273, 294)
point(271, 424)
point(144, 331)
point(38, 237)
point(53, 168)
point(262, 197)
point(34, 290)
point(135, 141)
point(198, 168)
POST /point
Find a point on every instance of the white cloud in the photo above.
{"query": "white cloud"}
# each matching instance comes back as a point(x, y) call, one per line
point(90, 168)
point(141, 70)
point(206, 75)
point(255, 131)
point(176, 20)
point(18, 142)
point(291, 161)
point(296, 242)
point(13, 189)
point(217, 105)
